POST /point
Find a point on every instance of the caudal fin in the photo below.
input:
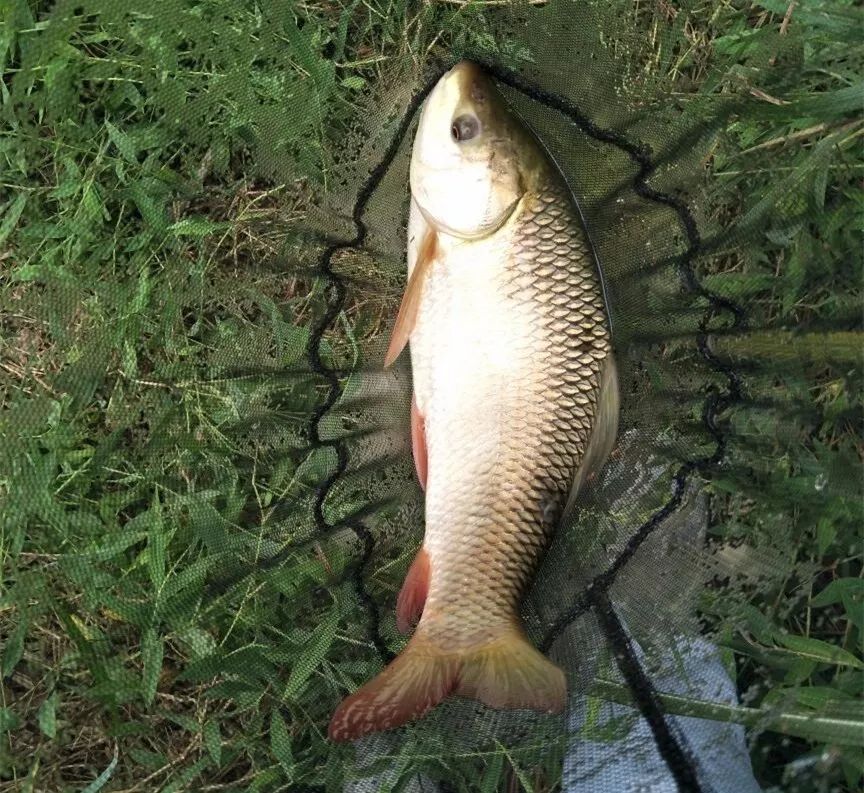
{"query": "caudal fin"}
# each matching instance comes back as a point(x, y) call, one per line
point(506, 673)
point(510, 673)
point(414, 683)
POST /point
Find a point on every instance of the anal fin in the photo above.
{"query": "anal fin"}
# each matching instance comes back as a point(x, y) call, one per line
point(412, 596)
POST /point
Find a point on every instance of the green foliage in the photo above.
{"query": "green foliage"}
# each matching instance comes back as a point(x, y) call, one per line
point(153, 395)
point(787, 173)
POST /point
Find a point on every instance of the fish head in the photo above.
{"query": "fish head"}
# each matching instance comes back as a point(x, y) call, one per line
point(472, 156)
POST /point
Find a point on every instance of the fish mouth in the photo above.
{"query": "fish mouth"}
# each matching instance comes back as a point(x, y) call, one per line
point(469, 79)
point(465, 71)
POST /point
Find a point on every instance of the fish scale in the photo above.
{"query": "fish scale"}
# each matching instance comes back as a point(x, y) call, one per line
point(549, 275)
point(515, 401)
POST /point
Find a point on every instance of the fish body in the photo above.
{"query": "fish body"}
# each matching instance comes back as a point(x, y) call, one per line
point(515, 403)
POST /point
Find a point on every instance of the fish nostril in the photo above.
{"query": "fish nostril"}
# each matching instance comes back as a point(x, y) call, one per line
point(465, 127)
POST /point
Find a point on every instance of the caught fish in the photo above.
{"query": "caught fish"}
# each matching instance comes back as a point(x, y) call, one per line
point(515, 403)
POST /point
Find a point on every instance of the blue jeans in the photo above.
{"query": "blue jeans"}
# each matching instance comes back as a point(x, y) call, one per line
point(629, 762)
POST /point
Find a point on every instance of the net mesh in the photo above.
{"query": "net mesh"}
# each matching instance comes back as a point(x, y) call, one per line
point(209, 502)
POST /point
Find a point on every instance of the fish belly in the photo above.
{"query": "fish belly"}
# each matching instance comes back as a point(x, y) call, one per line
point(506, 374)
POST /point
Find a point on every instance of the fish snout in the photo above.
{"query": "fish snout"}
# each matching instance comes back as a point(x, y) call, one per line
point(469, 80)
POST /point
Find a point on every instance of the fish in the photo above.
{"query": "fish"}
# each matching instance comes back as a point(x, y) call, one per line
point(515, 403)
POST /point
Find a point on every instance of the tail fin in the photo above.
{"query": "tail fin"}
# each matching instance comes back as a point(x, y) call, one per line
point(414, 683)
point(511, 673)
point(506, 673)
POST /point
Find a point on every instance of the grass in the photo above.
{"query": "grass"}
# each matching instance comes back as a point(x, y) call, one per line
point(157, 172)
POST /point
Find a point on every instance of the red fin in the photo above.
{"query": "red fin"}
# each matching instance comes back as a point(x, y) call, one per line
point(418, 443)
point(506, 673)
point(412, 596)
point(510, 673)
point(409, 687)
point(407, 316)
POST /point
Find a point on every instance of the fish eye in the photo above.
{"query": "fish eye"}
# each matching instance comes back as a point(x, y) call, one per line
point(465, 127)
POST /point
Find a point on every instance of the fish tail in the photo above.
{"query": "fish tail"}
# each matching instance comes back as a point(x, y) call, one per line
point(410, 686)
point(507, 672)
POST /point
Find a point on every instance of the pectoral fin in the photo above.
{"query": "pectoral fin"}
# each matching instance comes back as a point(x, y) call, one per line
point(407, 316)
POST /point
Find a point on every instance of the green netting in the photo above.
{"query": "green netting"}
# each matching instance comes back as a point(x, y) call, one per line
point(208, 498)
